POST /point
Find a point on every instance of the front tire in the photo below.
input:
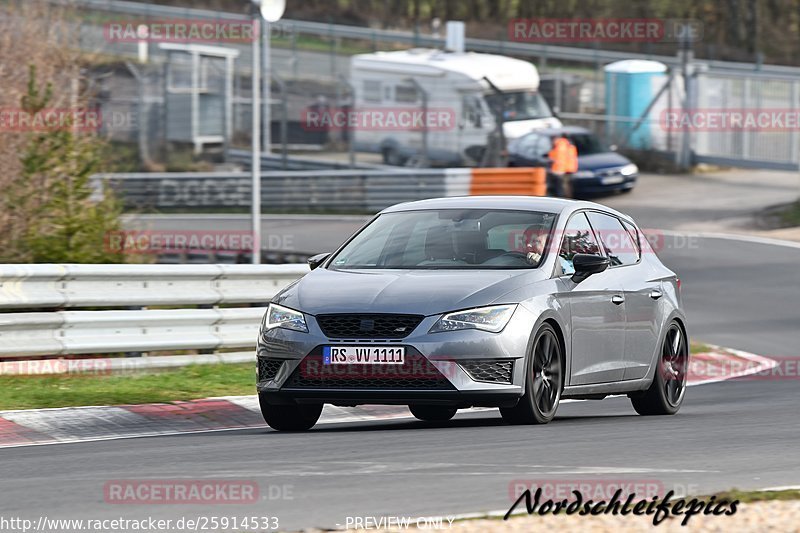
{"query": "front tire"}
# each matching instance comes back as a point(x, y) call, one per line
point(543, 383)
point(432, 413)
point(297, 417)
point(666, 393)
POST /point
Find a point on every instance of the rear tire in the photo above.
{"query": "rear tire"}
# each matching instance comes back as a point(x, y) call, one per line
point(298, 417)
point(666, 393)
point(432, 413)
point(544, 381)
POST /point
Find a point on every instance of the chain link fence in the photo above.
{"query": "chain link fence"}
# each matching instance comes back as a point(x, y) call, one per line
point(311, 66)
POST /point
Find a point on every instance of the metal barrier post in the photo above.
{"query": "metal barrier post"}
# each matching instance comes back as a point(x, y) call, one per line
point(684, 155)
point(350, 144)
point(284, 121)
point(425, 161)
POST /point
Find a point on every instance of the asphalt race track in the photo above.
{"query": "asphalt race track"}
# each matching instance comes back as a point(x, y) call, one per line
point(740, 433)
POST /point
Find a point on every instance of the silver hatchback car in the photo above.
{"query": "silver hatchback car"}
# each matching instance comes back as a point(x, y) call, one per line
point(510, 302)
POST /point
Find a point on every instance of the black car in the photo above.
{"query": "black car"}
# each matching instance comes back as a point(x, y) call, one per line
point(600, 169)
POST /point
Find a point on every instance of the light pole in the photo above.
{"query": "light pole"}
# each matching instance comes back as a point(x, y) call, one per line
point(266, 87)
point(269, 11)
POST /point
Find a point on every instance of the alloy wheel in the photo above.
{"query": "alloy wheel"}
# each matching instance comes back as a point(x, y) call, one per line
point(547, 373)
point(674, 363)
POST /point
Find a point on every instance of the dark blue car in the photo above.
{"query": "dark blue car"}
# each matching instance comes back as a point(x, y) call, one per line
point(600, 170)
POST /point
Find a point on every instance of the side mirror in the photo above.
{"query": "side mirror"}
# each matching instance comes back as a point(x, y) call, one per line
point(588, 264)
point(317, 260)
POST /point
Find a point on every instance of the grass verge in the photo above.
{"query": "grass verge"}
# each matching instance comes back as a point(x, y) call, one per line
point(699, 347)
point(187, 383)
point(790, 216)
point(759, 495)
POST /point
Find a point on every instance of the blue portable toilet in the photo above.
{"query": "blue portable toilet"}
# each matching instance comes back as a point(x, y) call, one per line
point(630, 87)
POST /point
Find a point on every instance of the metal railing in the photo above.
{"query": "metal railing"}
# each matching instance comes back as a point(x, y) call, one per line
point(715, 84)
point(36, 323)
point(294, 162)
point(327, 190)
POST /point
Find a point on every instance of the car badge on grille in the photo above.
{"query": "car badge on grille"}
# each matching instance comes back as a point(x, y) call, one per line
point(367, 325)
point(400, 330)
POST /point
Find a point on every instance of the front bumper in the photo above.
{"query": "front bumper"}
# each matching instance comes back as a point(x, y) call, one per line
point(447, 368)
point(595, 186)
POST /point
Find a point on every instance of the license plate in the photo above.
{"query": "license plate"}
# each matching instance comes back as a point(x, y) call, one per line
point(612, 180)
point(363, 355)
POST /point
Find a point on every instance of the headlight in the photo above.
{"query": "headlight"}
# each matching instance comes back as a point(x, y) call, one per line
point(281, 317)
point(583, 174)
point(492, 319)
point(629, 170)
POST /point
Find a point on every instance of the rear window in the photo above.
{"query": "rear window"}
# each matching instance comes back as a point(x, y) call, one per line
point(587, 144)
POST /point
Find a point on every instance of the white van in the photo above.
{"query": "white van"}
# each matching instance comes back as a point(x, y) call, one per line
point(454, 82)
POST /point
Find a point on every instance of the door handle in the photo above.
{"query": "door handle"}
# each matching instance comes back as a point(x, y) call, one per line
point(617, 299)
point(655, 294)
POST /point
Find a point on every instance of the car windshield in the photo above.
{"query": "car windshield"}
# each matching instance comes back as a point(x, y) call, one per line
point(519, 105)
point(449, 239)
point(587, 144)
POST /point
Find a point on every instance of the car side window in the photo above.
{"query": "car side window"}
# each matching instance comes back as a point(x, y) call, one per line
point(616, 241)
point(635, 236)
point(578, 239)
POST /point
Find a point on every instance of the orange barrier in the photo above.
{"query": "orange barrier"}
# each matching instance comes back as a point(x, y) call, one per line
point(511, 181)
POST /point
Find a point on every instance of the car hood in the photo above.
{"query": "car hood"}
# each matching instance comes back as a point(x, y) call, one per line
point(601, 161)
point(426, 292)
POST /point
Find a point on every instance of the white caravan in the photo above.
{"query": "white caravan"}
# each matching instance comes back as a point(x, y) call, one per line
point(460, 103)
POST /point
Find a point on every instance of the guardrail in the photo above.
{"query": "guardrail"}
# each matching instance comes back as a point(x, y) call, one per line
point(329, 190)
point(38, 325)
point(293, 162)
point(562, 53)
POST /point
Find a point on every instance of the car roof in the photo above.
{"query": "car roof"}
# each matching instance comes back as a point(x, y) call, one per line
point(520, 203)
point(569, 130)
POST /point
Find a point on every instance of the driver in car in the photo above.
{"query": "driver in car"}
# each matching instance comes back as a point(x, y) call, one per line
point(535, 240)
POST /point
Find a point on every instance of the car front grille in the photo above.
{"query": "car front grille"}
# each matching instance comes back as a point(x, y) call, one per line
point(489, 371)
point(417, 373)
point(268, 368)
point(368, 326)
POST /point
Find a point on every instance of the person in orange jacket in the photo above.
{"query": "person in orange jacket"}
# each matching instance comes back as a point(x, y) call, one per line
point(564, 157)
